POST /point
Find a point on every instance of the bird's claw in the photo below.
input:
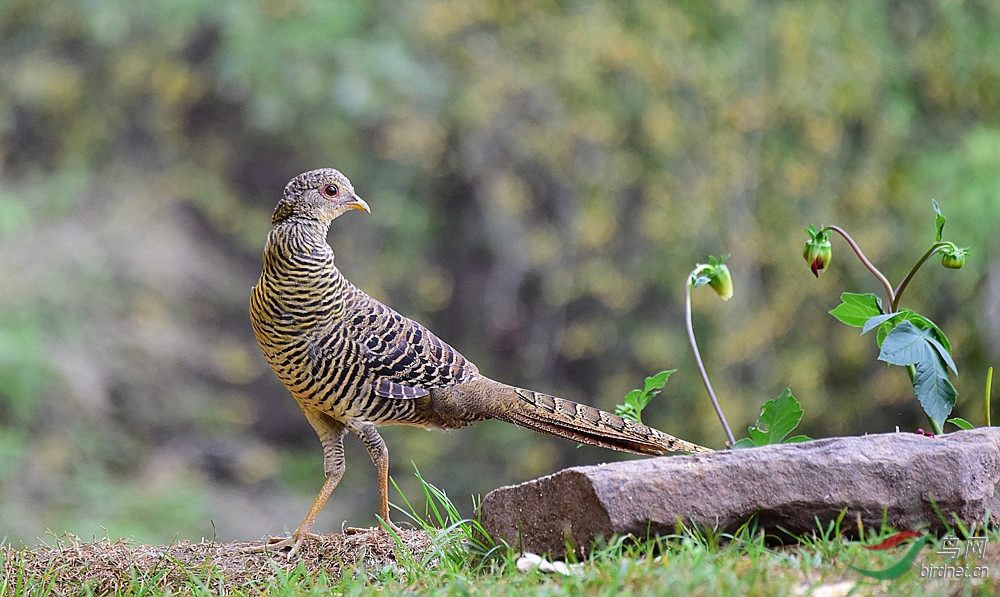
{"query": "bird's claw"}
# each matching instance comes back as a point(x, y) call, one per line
point(278, 544)
point(384, 527)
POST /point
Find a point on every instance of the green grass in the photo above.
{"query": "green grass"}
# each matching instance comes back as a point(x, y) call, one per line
point(460, 560)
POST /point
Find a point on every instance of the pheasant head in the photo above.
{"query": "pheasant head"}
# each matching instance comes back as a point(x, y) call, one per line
point(319, 195)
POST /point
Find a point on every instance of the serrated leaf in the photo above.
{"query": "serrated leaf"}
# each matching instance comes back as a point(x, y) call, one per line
point(938, 221)
point(637, 400)
point(656, 382)
point(746, 442)
point(778, 417)
point(885, 324)
point(908, 343)
point(798, 439)
point(904, 345)
point(934, 391)
point(856, 309)
point(926, 324)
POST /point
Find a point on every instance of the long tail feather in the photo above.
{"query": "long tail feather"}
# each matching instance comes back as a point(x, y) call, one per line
point(577, 422)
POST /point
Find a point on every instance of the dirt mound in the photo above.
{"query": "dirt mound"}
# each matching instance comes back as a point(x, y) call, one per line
point(73, 566)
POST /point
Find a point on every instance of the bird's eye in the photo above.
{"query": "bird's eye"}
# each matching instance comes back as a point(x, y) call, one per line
point(330, 191)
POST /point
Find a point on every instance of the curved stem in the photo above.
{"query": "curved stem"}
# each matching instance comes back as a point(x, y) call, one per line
point(701, 366)
point(909, 276)
point(935, 428)
point(986, 400)
point(871, 267)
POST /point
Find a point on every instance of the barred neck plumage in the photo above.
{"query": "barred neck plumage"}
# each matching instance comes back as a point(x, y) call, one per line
point(299, 272)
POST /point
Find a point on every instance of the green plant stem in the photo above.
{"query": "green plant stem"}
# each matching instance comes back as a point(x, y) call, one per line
point(935, 428)
point(871, 267)
point(701, 365)
point(986, 400)
point(909, 276)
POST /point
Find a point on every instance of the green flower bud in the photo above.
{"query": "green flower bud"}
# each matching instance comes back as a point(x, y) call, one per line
point(721, 281)
point(716, 274)
point(818, 250)
point(953, 257)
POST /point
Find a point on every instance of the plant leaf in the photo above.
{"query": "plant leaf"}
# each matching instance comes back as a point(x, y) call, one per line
point(938, 221)
point(637, 400)
point(926, 324)
point(699, 281)
point(655, 383)
point(935, 392)
point(904, 345)
point(941, 350)
point(856, 309)
point(874, 322)
point(778, 417)
point(916, 336)
point(900, 567)
point(961, 423)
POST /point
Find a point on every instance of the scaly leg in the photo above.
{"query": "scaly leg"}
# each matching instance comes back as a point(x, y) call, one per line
point(332, 437)
point(380, 456)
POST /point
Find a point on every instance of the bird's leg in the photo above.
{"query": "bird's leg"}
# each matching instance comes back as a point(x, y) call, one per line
point(332, 437)
point(380, 456)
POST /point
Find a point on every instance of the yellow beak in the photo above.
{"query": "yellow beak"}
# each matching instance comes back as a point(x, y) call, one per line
point(358, 203)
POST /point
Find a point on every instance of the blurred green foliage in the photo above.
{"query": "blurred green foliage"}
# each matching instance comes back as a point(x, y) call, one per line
point(543, 175)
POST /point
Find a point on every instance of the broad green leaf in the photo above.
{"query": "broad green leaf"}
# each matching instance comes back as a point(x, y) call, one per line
point(885, 324)
point(926, 324)
point(856, 309)
point(941, 350)
point(778, 417)
point(908, 343)
point(934, 391)
point(938, 221)
point(904, 345)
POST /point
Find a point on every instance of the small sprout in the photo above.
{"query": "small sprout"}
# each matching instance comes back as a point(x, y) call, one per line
point(953, 257)
point(637, 400)
point(818, 250)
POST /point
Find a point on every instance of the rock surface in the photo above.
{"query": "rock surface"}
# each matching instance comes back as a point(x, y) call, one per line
point(903, 475)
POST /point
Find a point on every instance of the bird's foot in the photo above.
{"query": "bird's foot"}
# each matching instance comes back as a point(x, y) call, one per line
point(277, 544)
point(385, 526)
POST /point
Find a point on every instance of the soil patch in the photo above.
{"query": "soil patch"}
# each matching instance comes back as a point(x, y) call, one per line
point(74, 566)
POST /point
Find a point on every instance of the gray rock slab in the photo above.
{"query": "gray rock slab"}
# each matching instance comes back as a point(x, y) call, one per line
point(898, 477)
